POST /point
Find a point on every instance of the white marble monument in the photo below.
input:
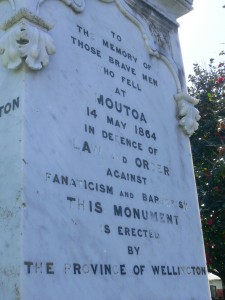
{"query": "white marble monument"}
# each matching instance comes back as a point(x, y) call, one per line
point(97, 190)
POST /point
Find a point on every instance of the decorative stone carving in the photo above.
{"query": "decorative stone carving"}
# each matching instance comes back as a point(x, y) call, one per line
point(76, 5)
point(26, 40)
point(159, 37)
point(188, 114)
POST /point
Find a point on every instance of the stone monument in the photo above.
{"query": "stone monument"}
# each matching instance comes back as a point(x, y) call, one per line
point(97, 190)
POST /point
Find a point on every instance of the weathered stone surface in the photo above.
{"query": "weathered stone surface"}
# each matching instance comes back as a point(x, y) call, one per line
point(97, 191)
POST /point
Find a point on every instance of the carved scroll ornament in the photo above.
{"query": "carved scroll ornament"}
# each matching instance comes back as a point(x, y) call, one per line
point(188, 114)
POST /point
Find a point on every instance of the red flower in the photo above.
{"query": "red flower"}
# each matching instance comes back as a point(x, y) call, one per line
point(210, 222)
point(220, 80)
point(208, 258)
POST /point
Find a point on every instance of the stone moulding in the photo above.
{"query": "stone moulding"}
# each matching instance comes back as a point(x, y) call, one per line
point(174, 8)
point(29, 16)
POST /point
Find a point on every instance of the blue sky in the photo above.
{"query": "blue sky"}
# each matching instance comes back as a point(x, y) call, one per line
point(202, 33)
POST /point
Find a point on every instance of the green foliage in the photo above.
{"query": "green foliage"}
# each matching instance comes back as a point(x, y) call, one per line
point(208, 147)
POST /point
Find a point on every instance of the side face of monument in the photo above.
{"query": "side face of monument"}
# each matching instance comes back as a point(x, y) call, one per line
point(98, 199)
